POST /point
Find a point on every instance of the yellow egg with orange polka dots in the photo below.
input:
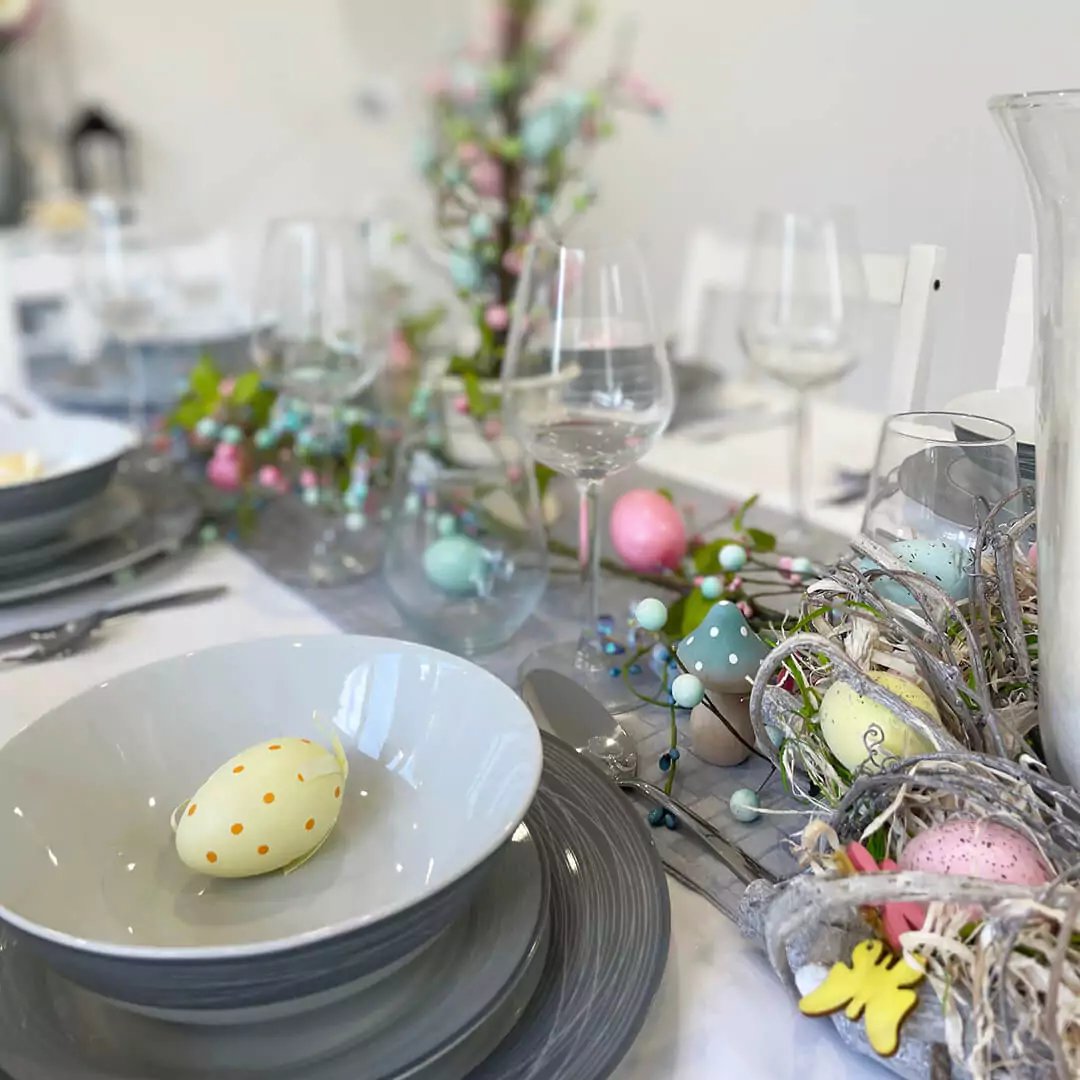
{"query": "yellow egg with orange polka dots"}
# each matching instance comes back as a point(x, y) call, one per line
point(266, 809)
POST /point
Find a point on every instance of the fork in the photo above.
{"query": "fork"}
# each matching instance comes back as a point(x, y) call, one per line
point(63, 639)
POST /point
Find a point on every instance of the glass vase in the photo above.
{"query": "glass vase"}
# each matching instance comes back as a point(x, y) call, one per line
point(466, 557)
point(1044, 130)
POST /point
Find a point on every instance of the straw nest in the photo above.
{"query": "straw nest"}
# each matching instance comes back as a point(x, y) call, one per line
point(1002, 960)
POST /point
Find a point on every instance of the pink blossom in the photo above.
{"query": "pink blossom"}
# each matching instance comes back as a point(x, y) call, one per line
point(492, 428)
point(437, 84)
point(497, 317)
point(226, 387)
point(461, 405)
point(270, 477)
point(309, 478)
point(469, 153)
point(511, 261)
point(401, 354)
point(486, 177)
point(735, 584)
point(745, 608)
point(225, 470)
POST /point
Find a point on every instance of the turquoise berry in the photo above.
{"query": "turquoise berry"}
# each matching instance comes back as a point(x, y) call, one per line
point(207, 428)
point(465, 271)
point(445, 524)
point(744, 805)
point(231, 434)
point(652, 614)
point(665, 762)
point(732, 557)
point(544, 203)
point(656, 816)
point(481, 225)
point(208, 533)
point(670, 820)
point(674, 753)
point(802, 566)
point(354, 498)
point(355, 521)
point(453, 174)
point(265, 438)
point(311, 496)
point(614, 672)
point(687, 690)
point(711, 588)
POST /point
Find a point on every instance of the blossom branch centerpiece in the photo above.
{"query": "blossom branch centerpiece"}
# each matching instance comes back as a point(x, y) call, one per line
point(505, 158)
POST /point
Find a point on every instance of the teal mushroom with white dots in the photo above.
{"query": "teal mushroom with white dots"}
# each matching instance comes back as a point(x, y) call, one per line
point(723, 652)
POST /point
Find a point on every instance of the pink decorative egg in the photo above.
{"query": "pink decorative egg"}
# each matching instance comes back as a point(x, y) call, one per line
point(647, 531)
point(981, 849)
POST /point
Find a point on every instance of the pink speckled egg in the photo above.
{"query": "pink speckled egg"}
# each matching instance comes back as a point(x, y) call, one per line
point(982, 849)
point(647, 531)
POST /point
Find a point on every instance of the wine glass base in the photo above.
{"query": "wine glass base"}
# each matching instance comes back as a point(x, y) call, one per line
point(593, 671)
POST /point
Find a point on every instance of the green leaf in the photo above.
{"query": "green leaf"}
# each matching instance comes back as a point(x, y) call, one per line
point(705, 557)
point(474, 395)
point(694, 611)
point(666, 493)
point(673, 626)
point(187, 414)
point(205, 378)
point(246, 387)
point(740, 514)
point(544, 476)
point(762, 541)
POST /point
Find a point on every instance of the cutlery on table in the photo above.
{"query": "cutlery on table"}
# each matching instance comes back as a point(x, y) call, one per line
point(576, 717)
point(45, 642)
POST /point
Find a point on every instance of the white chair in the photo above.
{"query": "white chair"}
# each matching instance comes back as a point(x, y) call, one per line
point(912, 283)
point(1017, 364)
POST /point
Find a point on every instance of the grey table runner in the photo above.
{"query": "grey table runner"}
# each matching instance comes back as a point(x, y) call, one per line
point(365, 607)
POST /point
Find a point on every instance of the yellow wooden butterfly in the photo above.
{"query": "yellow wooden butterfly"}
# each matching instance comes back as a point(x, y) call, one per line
point(877, 983)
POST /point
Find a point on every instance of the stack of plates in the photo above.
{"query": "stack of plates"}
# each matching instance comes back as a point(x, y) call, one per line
point(79, 520)
point(487, 905)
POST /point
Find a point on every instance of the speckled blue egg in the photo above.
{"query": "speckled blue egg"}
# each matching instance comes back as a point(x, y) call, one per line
point(944, 562)
point(744, 804)
point(454, 564)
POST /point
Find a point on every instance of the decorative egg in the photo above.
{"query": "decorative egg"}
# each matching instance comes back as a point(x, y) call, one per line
point(745, 805)
point(270, 806)
point(945, 563)
point(455, 564)
point(981, 849)
point(853, 725)
point(647, 531)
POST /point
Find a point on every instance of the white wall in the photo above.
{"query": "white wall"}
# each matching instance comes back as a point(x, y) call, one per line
point(247, 108)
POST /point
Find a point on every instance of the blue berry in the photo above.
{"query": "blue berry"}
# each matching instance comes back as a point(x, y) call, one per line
point(613, 648)
point(656, 816)
point(670, 820)
point(605, 624)
point(615, 672)
point(665, 762)
point(635, 669)
point(673, 753)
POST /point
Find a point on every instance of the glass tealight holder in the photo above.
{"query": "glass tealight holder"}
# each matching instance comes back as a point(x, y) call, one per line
point(466, 557)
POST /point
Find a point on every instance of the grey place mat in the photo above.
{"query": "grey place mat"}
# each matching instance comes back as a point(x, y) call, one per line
point(365, 608)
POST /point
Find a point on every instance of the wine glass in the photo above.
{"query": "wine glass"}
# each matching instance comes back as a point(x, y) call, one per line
point(587, 388)
point(123, 284)
point(802, 316)
point(319, 338)
point(937, 474)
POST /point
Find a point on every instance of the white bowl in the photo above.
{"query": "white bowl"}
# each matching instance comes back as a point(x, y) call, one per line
point(444, 762)
point(80, 455)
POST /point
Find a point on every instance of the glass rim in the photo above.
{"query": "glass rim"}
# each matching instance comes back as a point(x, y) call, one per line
point(1035, 99)
point(1008, 431)
point(615, 244)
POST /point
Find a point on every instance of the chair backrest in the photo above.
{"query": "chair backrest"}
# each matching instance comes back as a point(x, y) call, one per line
point(911, 282)
point(1017, 364)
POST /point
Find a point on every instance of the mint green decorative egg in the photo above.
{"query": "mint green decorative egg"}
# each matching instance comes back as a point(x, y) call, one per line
point(455, 564)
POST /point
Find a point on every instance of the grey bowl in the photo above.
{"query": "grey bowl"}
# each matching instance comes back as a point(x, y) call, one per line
point(444, 760)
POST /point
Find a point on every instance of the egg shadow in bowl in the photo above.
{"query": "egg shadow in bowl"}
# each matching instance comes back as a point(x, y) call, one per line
point(444, 761)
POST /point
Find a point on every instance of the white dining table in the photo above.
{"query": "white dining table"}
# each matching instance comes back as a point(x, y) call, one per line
point(720, 1009)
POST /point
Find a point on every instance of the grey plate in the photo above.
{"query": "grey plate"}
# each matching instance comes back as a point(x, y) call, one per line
point(609, 932)
point(435, 1018)
point(171, 514)
point(611, 923)
point(118, 508)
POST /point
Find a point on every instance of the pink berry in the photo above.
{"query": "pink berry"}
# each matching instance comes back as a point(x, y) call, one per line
point(309, 478)
point(514, 473)
point(461, 405)
point(492, 428)
point(497, 317)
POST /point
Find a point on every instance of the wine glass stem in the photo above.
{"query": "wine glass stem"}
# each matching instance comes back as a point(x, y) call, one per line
point(800, 456)
point(589, 548)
